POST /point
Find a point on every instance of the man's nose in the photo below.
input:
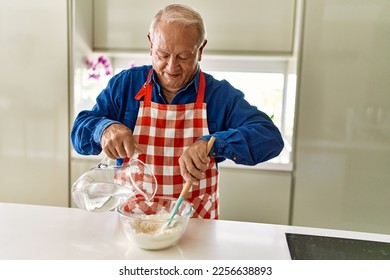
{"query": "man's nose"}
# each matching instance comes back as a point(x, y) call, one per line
point(172, 63)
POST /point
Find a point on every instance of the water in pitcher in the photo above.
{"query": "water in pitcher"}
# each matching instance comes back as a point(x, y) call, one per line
point(104, 187)
point(101, 197)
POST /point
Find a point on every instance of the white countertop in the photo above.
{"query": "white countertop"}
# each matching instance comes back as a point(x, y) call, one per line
point(44, 232)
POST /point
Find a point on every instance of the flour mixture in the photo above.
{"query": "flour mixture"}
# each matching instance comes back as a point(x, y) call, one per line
point(151, 234)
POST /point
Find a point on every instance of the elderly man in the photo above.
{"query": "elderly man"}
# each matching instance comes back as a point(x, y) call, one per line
point(169, 110)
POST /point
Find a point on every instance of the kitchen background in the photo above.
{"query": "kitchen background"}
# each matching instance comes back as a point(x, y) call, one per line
point(321, 68)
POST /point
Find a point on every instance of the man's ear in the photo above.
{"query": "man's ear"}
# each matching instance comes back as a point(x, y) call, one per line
point(151, 44)
point(201, 49)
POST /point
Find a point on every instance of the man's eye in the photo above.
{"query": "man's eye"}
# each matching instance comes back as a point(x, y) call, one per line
point(183, 57)
point(163, 55)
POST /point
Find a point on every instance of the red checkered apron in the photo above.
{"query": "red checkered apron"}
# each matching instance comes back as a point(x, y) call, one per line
point(163, 132)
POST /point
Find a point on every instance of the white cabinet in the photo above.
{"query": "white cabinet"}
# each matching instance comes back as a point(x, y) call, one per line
point(246, 26)
point(343, 145)
point(254, 195)
point(34, 133)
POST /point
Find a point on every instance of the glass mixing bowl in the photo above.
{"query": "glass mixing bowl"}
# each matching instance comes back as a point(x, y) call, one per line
point(146, 222)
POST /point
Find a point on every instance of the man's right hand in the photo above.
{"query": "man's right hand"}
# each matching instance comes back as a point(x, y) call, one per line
point(118, 142)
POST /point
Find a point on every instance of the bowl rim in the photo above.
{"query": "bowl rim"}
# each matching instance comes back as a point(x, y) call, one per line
point(121, 212)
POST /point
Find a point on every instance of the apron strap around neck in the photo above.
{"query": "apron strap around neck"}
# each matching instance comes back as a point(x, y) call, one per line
point(147, 87)
point(201, 89)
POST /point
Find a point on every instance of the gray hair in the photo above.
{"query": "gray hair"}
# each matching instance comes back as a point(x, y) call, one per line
point(180, 14)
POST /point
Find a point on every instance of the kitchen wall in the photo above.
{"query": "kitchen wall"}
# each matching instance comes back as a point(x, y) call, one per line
point(34, 142)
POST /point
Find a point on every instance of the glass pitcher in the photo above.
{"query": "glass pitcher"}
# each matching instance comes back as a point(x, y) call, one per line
point(107, 185)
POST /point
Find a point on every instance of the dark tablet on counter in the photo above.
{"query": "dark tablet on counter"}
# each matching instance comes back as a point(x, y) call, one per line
point(312, 247)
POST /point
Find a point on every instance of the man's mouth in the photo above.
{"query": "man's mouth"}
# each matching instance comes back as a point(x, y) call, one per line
point(172, 75)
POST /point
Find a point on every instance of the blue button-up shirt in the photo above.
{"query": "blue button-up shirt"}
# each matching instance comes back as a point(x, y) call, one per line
point(243, 133)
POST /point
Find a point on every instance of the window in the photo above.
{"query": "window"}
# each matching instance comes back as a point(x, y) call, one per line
point(264, 90)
